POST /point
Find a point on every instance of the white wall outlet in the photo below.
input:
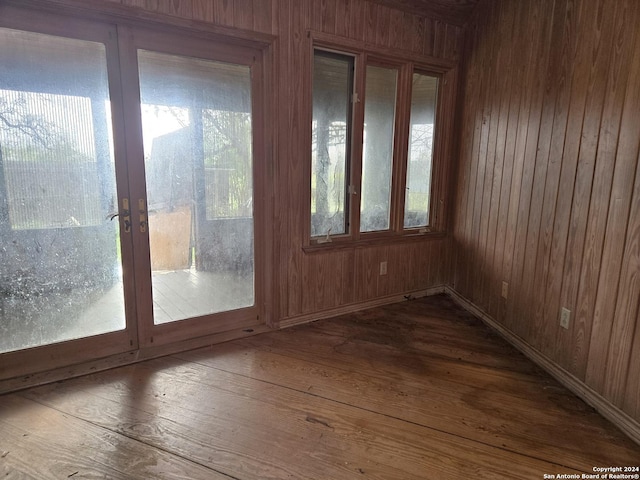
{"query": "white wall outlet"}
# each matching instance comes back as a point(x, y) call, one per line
point(505, 290)
point(383, 268)
point(565, 317)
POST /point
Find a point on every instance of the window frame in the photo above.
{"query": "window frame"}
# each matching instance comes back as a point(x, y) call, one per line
point(377, 61)
point(351, 140)
point(365, 55)
point(435, 175)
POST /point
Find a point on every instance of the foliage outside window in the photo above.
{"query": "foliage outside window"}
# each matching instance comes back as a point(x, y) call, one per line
point(332, 88)
point(420, 155)
point(213, 122)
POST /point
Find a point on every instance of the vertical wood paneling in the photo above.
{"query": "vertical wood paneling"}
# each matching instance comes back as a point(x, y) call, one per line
point(263, 16)
point(569, 145)
point(243, 14)
point(493, 173)
point(367, 260)
point(563, 169)
point(628, 293)
point(343, 21)
point(601, 189)
point(632, 393)
point(294, 132)
point(626, 318)
point(478, 232)
point(357, 15)
point(383, 26)
point(177, 8)
point(322, 276)
point(370, 22)
point(415, 35)
point(439, 39)
point(223, 12)
point(429, 37)
point(451, 34)
point(535, 265)
point(203, 11)
point(502, 168)
point(526, 237)
point(137, 3)
point(397, 28)
point(348, 277)
point(280, 168)
point(581, 145)
point(328, 11)
point(607, 299)
point(558, 163)
point(515, 143)
point(471, 72)
point(316, 15)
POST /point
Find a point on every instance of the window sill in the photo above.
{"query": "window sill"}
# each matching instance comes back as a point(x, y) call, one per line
point(348, 244)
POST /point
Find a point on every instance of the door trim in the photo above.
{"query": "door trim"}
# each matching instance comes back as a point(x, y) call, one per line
point(161, 41)
point(68, 18)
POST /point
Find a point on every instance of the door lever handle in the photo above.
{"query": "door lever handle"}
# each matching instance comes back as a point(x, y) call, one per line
point(126, 215)
point(143, 215)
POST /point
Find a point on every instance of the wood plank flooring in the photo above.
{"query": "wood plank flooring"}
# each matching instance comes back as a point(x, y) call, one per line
point(415, 390)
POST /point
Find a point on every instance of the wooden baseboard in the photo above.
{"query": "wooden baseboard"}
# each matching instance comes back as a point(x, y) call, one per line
point(612, 413)
point(354, 307)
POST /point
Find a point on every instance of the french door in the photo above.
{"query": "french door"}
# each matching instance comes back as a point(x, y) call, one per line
point(130, 214)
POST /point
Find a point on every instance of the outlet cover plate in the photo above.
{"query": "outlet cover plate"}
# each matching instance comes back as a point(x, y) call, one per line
point(565, 317)
point(505, 290)
point(383, 268)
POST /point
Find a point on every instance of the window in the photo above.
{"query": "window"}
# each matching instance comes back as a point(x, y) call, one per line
point(377, 153)
point(420, 156)
point(332, 90)
point(197, 136)
point(53, 97)
point(372, 150)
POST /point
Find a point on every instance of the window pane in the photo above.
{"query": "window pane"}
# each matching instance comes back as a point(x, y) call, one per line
point(228, 176)
point(60, 275)
point(197, 133)
point(419, 162)
point(377, 155)
point(42, 173)
point(332, 88)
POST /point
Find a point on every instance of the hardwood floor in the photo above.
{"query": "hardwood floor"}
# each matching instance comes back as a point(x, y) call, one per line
point(416, 390)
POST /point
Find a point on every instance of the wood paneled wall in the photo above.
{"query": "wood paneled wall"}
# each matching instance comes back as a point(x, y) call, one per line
point(310, 283)
point(315, 282)
point(548, 188)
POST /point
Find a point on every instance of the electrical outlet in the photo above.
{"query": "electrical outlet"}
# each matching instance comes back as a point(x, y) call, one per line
point(565, 317)
point(505, 290)
point(383, 268)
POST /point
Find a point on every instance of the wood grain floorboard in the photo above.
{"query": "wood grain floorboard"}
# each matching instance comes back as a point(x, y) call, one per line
point(410, 391)
point(44, 443)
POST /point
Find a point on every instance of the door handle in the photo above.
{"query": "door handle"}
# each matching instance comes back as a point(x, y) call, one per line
point(126, 215)
point(143, 215)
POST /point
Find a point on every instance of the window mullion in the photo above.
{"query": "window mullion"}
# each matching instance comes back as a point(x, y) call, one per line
point(401, 143)
point(357, 132)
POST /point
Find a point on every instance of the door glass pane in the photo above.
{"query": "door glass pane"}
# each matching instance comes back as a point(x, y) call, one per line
point(419, 163)
point(197, 131)
point(332, 88)
point(377, 154)
point(60, 275)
